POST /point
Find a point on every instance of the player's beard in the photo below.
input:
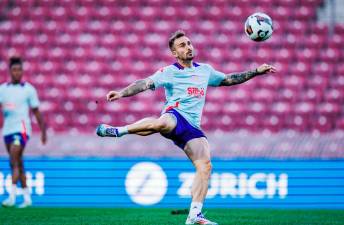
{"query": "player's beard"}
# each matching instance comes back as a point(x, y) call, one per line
point(189, 56)
point(186, 58)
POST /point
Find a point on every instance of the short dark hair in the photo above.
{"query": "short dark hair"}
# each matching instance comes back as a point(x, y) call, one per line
point(174, 36)
point(15, 60)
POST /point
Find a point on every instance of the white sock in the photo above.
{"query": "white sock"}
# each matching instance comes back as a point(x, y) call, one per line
point(122, 130)
point(195, 208)
point(26, 194)
point(13, 192)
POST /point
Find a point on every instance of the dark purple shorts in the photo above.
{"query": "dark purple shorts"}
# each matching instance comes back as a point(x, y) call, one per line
point(183, 132)
point(17, 139)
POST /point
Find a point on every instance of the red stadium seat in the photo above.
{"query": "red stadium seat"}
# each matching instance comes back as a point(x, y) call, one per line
point(274, 123)
point(323, 124)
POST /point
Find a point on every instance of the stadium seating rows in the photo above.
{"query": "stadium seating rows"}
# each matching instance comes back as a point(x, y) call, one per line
point(75, 51)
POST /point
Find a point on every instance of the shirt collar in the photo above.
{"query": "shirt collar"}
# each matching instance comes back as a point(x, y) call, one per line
point(180, 67)
point(21, 84)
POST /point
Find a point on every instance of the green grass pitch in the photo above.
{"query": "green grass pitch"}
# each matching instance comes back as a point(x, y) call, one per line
point(152, 216)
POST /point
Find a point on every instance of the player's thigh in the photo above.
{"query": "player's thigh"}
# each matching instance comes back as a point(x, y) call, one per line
point(8, 147)
point(16, 152)
point(168, 122)
point(197, 149)
point(145, 120)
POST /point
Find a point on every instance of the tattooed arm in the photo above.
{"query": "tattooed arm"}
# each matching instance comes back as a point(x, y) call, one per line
point(133, 89)
point(238, 78)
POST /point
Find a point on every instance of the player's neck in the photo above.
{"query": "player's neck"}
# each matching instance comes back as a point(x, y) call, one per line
point(185, 63)
point(15, 82)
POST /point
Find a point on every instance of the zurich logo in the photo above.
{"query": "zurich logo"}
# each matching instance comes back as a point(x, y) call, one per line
point(146, 183)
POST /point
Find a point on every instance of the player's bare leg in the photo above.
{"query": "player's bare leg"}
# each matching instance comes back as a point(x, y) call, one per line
point(22, 177)
point(147, 126)
point(146, 120)
point(10, 201)
point(14, 152)
point(18, 173)
point(16, 162)
point(198, 152)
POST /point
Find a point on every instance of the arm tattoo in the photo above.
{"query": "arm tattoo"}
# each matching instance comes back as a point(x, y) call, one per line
point(137, 87)
point(238, 78)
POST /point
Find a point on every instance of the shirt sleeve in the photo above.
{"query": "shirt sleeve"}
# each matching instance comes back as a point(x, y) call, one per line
point(160, 78)
point(33, 97)
point(216, 77)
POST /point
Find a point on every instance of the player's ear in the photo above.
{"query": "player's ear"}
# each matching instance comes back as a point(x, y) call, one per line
point(174, 52)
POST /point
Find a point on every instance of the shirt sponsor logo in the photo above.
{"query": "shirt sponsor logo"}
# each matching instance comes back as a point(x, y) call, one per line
point(9, 106)
point(196, 92)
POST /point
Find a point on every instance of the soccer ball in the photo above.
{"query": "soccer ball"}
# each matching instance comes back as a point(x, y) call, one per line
point(258, 27)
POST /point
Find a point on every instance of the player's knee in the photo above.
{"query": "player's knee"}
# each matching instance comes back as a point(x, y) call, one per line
point(205, 168)
point(15, 165)
point(21, 170)
point(208, 167)
point(161, 125)
point(21, 164)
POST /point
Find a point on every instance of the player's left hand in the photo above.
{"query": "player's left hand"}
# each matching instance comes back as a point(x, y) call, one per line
point(44, 138)
point(265, 68)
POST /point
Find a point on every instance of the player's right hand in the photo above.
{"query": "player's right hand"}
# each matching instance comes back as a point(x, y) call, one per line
point(113, 96)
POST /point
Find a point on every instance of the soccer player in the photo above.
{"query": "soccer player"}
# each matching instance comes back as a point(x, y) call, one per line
point(185, 84)
point(16, 99)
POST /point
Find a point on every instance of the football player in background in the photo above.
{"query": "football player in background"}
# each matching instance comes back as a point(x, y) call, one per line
point(16, 99)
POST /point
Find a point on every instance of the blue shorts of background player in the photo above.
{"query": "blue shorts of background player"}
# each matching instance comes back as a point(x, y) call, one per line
point(16, 139)
point(183, 132)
